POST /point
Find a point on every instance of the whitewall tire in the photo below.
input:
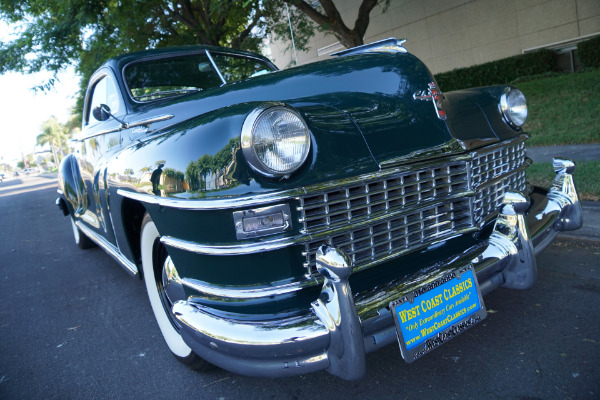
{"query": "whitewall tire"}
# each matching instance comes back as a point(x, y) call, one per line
point(154, 255)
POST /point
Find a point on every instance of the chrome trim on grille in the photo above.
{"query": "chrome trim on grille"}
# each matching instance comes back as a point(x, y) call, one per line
point(390, 215)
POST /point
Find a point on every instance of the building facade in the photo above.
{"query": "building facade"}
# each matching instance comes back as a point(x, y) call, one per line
point(448, 34)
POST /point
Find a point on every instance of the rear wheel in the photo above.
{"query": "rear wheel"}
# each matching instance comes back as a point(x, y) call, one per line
point(81, 239)
point(164, 289)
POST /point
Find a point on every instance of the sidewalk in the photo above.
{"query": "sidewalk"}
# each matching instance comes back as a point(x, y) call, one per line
point(591, 209)
point(576, 152)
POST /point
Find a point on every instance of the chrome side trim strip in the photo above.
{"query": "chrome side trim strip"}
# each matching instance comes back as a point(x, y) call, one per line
point(143, 122)
point(217, 204)
point(105, 132)
point(227, 293)
point(112, 251)
point(226, 250)
point(148, 121)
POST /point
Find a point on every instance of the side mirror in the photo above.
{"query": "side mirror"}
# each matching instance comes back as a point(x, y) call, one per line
point(101, 112)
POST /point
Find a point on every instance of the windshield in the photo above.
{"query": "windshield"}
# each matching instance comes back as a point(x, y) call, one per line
point(164, 77)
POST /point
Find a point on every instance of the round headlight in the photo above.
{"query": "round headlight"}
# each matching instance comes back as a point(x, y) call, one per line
point(514, 107)
point(275, 141)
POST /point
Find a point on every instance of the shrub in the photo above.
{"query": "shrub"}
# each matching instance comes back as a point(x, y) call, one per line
point(589, 52)
point(498, 72)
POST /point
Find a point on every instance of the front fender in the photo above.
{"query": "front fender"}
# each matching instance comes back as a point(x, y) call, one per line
point(72, 185)
point(474, 116)
point(201, 157)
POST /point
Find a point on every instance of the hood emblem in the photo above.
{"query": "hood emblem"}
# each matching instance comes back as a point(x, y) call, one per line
point(434, 95)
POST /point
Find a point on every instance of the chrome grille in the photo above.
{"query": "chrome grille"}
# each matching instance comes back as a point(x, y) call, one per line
point(365, 199)
point(402, 233)
point(493, 173)
point(377, 219)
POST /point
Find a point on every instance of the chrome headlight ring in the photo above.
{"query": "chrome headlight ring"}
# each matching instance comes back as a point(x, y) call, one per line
point(275, 140)
point(513, 107)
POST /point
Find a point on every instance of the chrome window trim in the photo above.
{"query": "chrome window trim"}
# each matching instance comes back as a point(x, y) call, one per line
point(99, 75)
point(215, 66)
point(112, 251)
point(181, 53)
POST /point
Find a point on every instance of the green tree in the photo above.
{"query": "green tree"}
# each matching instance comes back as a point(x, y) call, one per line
point(54, 134)
point(84, 33)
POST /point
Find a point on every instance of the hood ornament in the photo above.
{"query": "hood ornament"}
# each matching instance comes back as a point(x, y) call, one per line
point(435, 95)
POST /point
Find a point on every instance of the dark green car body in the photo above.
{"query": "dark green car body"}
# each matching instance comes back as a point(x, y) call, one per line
point(403, 181)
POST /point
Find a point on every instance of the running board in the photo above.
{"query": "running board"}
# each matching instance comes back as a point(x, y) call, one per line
point(112, 251)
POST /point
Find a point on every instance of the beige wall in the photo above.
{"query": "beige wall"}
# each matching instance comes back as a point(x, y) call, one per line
point(448, 34)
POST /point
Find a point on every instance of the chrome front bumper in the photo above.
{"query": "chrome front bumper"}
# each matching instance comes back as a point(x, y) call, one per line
point(341, 328)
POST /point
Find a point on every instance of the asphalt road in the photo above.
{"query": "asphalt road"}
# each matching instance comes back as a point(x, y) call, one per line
point(74, 325)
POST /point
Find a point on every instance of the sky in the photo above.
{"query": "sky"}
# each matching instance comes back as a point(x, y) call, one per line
point(22, 111)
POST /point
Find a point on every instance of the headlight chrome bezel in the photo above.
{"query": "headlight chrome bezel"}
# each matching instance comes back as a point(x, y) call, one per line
point(248, 143)
point(513, 98)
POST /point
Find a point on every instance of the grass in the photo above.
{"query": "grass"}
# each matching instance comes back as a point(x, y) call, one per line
point(586, 178)
point(563, 109)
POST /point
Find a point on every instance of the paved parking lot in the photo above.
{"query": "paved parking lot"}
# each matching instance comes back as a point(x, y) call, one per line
point(74, 325)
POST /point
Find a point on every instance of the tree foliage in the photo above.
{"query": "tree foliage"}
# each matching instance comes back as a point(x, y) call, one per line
point(84, 33)
point(51, 35)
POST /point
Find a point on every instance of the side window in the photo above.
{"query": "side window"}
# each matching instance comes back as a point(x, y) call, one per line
point(105, 92)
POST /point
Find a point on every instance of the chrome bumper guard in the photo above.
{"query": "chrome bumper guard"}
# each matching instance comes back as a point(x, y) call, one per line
point(340, 329)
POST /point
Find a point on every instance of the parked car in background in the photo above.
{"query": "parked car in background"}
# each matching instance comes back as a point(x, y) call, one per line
point(286, 222)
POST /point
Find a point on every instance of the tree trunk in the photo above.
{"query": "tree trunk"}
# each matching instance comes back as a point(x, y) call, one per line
point(332, 20)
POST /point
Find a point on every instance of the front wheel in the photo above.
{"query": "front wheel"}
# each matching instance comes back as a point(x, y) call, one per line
point(164, 290)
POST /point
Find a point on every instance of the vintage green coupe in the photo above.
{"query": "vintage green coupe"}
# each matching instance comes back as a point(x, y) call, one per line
point(286, 222)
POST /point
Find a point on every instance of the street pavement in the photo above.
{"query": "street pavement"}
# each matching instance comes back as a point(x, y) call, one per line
point(74, 325)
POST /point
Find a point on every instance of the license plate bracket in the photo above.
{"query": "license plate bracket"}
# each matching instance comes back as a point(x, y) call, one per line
point(435, 312)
